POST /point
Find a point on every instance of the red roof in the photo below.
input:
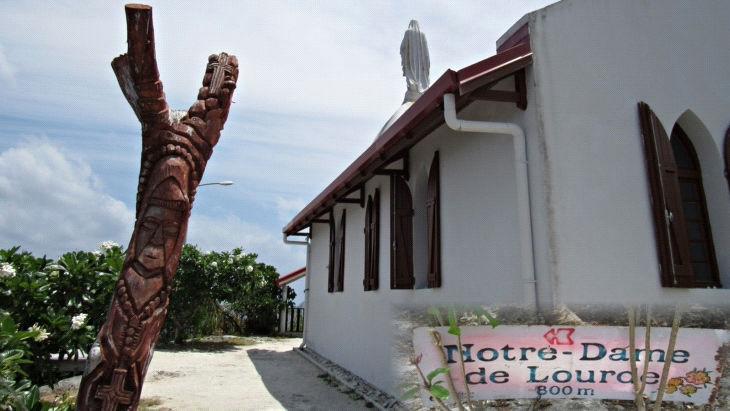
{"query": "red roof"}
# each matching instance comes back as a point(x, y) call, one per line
point(291, 277)
point(405, 132)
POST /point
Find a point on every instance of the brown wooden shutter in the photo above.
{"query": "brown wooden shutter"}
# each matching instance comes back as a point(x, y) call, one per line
point(372, 242)
point(433, 224)
point(340, 253)
point(401, 234)
point(368, 243)
point(727, 157)
point(331, 266)
point(671, 235)
point(375, 242)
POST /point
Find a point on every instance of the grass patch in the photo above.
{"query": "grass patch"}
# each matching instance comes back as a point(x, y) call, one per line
point(150, 404)
point(62, 400)
point(211, 344)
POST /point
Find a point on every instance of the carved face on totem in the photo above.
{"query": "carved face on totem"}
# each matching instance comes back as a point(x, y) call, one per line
point(156, 239)
point(164, 208)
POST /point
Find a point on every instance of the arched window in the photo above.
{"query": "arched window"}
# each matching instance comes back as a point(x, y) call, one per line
point(694, 210)
point(372, 242)
point(682, 227)
point(727, 157)
point(401, 234)
point(340, 253)
point(336, 269)
point(433, 224)
point(332, 248)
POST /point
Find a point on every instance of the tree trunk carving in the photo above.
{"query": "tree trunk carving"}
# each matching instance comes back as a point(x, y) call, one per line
point(175, 148)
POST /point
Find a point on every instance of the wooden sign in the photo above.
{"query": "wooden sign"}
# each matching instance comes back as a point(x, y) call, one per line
point(510, 362)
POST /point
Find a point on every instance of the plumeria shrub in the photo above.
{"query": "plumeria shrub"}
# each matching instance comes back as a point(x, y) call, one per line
point(16, 392)
point(222, 292)
point(65, 302)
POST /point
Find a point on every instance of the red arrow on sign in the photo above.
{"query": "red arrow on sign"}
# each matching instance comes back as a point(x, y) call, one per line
point(560, 336)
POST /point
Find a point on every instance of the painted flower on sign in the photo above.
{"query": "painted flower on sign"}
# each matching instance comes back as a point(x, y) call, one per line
point(7, 270)
point(673, 384)
point(78, 321)
point(698, 377)
point(688, 390)
point(690, 383)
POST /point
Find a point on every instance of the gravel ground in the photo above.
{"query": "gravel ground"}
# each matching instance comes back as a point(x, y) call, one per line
point(265, 376)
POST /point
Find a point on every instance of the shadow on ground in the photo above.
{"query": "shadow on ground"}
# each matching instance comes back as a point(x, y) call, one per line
point(268, 364)
point(199, 346)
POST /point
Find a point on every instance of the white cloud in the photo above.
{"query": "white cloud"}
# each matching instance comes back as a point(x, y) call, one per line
point(318, 80)
point(230, 231)
point(7, 70)
point(288, 207)
point(52, 203)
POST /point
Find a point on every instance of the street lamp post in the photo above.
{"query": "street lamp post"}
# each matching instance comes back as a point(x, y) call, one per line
point(219, 183)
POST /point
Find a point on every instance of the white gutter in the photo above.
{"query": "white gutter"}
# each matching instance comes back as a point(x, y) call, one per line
point(523, 190)
point(307, 278)
point(306, 284)
point(295, 242)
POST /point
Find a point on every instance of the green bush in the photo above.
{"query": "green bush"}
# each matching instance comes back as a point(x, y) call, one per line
point(222, 292)
point(66, 301)
point(16, 392)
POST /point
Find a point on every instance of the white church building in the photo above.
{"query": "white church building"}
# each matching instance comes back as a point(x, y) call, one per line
point(583, 163)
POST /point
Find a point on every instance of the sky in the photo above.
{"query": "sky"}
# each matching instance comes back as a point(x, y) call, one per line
point(318, 79)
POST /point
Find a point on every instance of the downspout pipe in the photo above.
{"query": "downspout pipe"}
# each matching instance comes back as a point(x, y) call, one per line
point(523, 188)
point(306, 284)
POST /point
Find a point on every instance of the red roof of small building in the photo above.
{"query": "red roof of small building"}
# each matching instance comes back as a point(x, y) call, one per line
point(291, 277)
point(408, 129)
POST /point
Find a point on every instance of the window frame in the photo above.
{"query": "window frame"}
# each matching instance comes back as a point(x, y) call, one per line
point(401, 234)
point(671, 235)
point(433, 224)
point(331, 266)
point(372, 242)
point(340, 249)
point(695, 175)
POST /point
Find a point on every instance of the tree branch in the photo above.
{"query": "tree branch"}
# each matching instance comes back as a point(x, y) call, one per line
point(137, 71)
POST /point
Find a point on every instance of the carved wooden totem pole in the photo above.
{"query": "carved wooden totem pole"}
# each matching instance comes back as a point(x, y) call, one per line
point(175, 148)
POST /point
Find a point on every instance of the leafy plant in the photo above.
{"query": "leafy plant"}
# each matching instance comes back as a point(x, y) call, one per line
point(66, 301)
point(16, 392)
point(436, 389)
point(222, 292)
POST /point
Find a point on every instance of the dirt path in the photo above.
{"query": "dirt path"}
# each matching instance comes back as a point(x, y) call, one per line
point(263, 376)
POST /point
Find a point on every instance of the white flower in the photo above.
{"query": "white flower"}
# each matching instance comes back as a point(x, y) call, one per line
point(214, 264)
point(42, 333)
point(108, 245)
point(249, 268)
point(230, 260)
point(7, 270)
point(96, 253)
point(78, 321)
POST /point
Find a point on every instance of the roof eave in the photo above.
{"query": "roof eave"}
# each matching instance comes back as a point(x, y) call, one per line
point(387, 146)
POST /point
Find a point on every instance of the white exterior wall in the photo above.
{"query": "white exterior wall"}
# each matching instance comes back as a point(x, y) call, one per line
point(591, 217)
point(481, 259)
point(594, 61)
